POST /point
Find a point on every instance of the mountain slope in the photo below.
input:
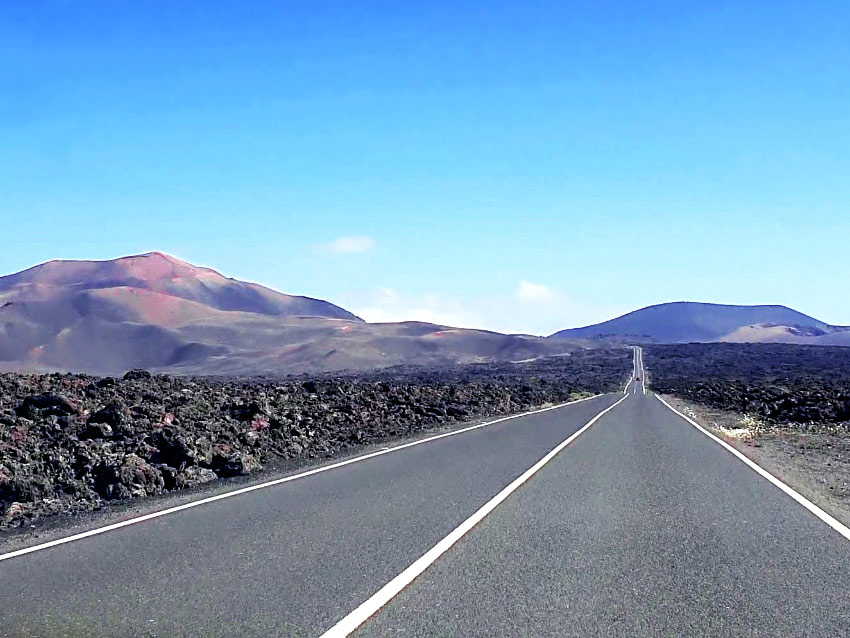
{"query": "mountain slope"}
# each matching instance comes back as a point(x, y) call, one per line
point(681, 322)
point(160, 273)
point(157, 312)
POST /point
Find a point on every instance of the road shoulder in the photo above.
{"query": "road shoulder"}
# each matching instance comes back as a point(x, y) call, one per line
point(50, 529)
point(814, 463)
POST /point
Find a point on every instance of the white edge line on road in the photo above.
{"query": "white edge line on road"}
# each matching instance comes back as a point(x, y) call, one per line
point(380, 598)
point(286, 479)
point(634, 370)
point(802, 500)
point(642, 373)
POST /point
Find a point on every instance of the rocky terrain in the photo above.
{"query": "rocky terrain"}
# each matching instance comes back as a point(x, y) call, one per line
point(805, 386)
point(72, 443)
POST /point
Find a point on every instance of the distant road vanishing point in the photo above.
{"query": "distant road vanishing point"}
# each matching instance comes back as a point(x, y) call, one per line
point(611, 516)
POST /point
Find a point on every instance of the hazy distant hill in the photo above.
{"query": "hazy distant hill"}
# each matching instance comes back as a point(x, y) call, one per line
point(682, 322)
point(155, 311)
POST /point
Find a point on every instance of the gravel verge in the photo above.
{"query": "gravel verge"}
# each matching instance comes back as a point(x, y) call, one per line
point(787, 407)
point(815, 461)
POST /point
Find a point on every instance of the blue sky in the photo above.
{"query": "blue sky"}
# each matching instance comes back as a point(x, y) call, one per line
point(517, 166)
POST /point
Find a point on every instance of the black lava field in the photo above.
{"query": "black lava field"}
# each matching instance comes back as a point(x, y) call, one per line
point(781, 384)
point(72, 443)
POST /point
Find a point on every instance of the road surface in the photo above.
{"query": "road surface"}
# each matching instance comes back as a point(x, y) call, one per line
point(640, 525)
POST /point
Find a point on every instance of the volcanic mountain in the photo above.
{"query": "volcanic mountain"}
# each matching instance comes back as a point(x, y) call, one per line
point(683, 322)
point(156, 311)
point(165, 277)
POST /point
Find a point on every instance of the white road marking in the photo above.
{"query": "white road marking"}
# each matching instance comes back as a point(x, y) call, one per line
point(634, 371)
point(637, 372)
point(802, 500)
point(259, 486)
point(380, 598)
point(642, 371)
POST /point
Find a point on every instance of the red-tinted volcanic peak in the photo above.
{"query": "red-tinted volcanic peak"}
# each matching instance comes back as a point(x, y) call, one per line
point(162, 274)
point(151, 266)
point(157, 265)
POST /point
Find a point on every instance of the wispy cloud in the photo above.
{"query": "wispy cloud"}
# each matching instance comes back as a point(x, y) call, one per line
point(528, 291)
point(388, 305)
point(347, 245)
point(530, 308)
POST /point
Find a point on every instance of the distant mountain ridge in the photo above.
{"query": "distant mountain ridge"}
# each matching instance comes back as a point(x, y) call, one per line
point(158, 312)
point(684, 321)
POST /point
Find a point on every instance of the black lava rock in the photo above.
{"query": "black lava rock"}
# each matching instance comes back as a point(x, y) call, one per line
point(779, 383)
point(112, 415)
point(172, 447)
point(136, 375)
point(179, 432)
point(126, 477)
point(96, 430)
point(45, 404)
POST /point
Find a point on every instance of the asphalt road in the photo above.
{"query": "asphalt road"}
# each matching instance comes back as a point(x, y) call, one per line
point(286, 560)
point(641, 526)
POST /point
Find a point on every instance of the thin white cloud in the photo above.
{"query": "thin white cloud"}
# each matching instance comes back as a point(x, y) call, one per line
point(388, 305)
point(528, 291)
point(348, 245)
point(529, 308)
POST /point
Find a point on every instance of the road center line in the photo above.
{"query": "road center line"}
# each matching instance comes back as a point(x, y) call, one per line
point(380, 598)
point(802, 500)
point(634, 370)
point(286, 479)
